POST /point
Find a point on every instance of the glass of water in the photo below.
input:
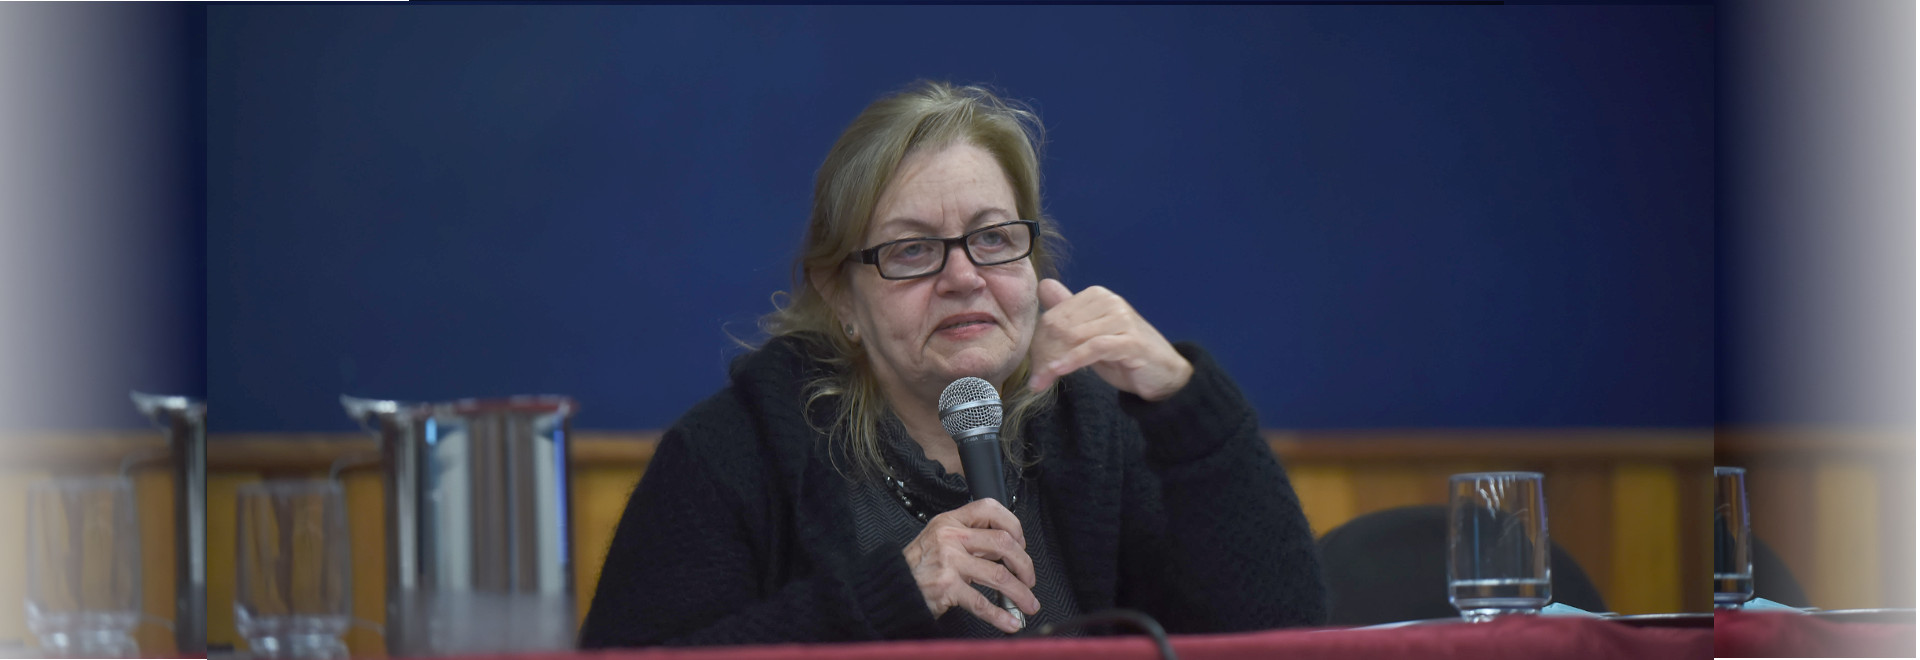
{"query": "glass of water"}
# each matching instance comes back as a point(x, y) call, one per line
point(1732, 539)
point(1497, 546)
point(293, 597)
point(83, 567)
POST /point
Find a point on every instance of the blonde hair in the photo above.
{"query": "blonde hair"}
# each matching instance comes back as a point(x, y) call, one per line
point(926, 115)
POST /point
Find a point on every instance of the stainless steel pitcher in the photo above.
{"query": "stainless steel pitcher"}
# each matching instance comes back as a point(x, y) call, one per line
point(185, 422)
point(478, 548)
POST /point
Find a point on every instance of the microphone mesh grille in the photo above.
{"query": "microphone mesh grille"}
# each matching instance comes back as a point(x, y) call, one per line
point(963, 391)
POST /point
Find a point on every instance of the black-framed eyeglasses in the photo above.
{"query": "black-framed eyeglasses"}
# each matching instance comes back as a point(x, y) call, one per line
point(909, 258)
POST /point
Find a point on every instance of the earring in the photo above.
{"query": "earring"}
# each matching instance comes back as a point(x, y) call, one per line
point(851, 334)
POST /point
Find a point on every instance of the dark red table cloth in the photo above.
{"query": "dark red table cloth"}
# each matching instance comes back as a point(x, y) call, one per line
point(1509, 639)
point(1734, 634)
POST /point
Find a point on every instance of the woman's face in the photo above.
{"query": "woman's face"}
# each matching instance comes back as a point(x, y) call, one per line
point(922, 334)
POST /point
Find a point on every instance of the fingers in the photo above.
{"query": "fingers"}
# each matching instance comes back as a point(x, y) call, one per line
point(1077, 308)
point(996, 565)
point(1097, 328)
point(1066, 326)
point(951, 555)
point(996, 577)
point(997, 546)
point(977, 603)
point(1095, 311)
point(1052, 293)
point(1059, 334)
point(1103, 348)
point(992, 532)
point(989, 514)
point(991, 545)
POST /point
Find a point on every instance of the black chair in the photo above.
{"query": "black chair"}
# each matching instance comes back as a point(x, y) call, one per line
point(1391, 566)
point(1772, 579)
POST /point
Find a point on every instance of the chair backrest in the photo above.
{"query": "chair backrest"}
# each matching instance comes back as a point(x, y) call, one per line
point(1391, 566)
point(1772, 579)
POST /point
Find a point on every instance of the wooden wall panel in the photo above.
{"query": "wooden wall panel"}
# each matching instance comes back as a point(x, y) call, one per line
point(1580, 518)
point(13, 555)
point(222, 537)
point(1695, 510)
point(1836, 505)
point(1646, 539)
point(600, 495)
point(1845, 536)
point(1621, 501)
point(1896, 527)
point(1326, 493)
point(1391, 485)
point(1777, 494)
point(153, 499)
point(153, 492)
point(1583, 469)
point(366, 526)
point(1337, 479)
point(603, 476)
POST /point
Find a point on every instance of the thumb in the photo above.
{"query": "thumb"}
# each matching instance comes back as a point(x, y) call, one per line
point(1052, 293)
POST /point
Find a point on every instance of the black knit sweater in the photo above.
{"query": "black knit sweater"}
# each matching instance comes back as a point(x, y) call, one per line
point(741, 532)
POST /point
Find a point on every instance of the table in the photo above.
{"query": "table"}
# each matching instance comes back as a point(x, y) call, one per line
point(1530, 638)
point(1731, 634)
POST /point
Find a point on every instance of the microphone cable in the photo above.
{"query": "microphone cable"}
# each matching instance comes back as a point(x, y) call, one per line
point(1114, 617)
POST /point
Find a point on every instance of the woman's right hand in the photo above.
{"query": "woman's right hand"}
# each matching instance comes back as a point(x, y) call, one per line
point(980, 543)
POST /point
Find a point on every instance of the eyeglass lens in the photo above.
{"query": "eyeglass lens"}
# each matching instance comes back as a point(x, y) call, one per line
point(986, 247)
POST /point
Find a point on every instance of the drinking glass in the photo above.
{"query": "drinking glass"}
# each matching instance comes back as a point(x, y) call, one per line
point(1732, 539)
point(83, 567)
point(1497, 546)
point(293, 598)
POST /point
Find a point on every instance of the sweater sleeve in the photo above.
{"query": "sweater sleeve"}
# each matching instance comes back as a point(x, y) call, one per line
point(686, 568)
point(1214, 538)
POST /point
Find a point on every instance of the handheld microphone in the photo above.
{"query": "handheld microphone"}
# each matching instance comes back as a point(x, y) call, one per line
point(970, 411)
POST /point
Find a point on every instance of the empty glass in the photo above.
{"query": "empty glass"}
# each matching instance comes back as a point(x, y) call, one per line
point(83, 567)
point(1732, 539)
point(1497, 546)
point(293, 596)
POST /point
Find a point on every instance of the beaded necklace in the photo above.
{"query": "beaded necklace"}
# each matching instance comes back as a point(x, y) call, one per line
point(918, 509)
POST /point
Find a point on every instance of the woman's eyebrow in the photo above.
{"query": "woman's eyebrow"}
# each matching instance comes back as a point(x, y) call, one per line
point(914, 224)
point(927, 228)
point(981, 215)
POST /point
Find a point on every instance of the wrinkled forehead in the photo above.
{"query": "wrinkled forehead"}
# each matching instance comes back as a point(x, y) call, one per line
point(902, 226)
point(944, 192)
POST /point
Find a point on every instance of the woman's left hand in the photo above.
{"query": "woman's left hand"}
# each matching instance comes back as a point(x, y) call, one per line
point(1097, 328)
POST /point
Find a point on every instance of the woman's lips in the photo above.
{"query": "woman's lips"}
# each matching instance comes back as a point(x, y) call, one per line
point(965, 327)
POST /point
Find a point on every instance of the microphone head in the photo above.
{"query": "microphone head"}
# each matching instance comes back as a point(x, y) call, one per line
point(969, 390)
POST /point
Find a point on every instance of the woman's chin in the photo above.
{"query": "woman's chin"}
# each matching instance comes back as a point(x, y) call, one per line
point(992, 366)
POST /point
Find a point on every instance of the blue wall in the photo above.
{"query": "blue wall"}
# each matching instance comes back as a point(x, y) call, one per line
point(1375, 216)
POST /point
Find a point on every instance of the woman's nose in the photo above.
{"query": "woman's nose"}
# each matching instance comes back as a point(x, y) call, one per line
point(960, 275)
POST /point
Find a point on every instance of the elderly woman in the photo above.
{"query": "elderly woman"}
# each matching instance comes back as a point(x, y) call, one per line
point(818, 498)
